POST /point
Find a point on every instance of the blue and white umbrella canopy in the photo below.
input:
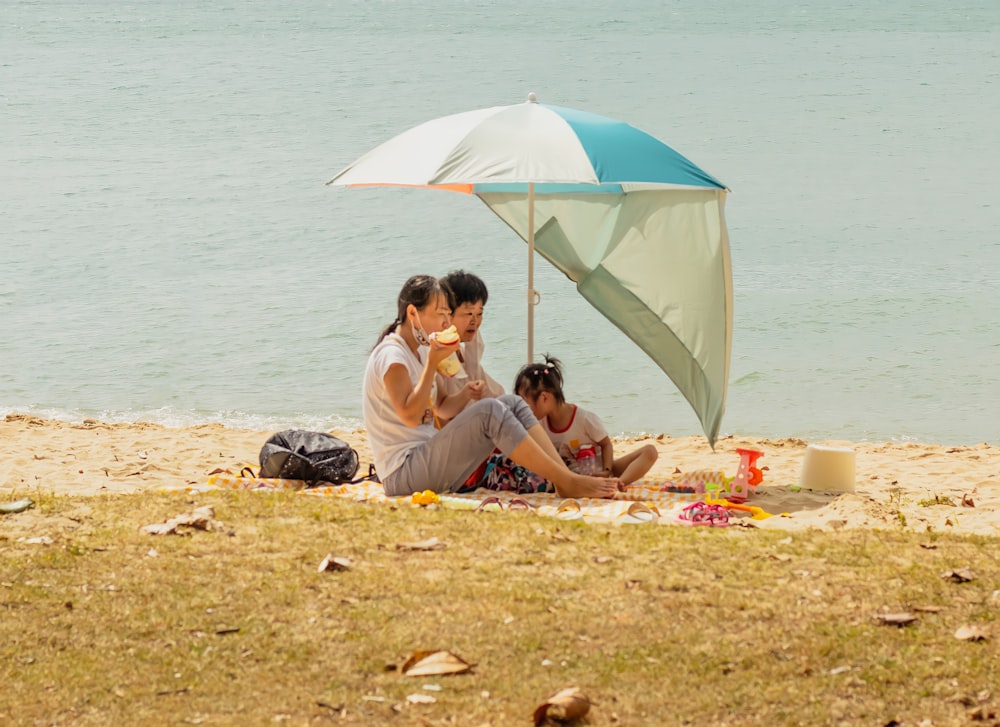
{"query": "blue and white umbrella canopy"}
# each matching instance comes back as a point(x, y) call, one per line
point(503, 148)
point(638, 227)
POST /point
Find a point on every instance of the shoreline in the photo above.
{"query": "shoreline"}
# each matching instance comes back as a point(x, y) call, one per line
point(909, 485)
point(238, 420)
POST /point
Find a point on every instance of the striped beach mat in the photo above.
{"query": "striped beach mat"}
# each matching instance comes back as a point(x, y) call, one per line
point(643, 502)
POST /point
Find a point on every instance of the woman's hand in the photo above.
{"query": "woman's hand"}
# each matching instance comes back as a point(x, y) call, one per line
point(475, 389)
point(438, 352)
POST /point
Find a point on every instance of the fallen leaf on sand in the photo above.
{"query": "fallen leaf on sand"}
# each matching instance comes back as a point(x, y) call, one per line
point(896, 619)
point(566, 705)
point(332, 562)
point(429, 544)
point(960, 575)
point(970, 633)
point(967, 501)
point(433, 663)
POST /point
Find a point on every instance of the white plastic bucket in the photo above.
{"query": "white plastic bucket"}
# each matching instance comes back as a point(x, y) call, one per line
point(828, 468)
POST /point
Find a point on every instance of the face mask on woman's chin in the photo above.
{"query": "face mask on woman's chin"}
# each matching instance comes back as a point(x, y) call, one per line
point(420, 335)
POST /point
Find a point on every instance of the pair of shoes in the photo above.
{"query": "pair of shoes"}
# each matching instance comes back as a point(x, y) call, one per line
point(701, 513)
point(515, 503)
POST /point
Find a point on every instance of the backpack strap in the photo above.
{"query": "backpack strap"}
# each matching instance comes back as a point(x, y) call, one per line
point(372, 476)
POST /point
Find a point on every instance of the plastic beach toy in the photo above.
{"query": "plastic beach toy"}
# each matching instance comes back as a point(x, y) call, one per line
point(757, 513)
point(427, 497)
point(748, 476)
point(828, 468)
point(698, 481)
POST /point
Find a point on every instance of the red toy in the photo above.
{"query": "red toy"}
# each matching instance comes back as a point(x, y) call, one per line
point(748, 476)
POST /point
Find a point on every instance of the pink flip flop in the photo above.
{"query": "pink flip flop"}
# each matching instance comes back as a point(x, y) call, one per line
point(703, 514)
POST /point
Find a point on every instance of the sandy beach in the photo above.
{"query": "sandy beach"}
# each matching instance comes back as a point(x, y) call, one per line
point(913, 486)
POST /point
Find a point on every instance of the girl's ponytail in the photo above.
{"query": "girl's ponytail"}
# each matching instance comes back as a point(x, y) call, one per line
point(535, 378)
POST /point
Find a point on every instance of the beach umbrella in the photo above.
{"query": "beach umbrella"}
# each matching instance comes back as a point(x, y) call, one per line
point(639, 228)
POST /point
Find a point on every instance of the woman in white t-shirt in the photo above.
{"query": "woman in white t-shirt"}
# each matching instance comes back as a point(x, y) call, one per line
point(402, 400)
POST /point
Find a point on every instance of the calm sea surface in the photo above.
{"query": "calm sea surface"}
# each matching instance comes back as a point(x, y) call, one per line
point(168, 250)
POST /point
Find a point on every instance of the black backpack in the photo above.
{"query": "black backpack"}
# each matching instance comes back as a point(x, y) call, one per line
point(296, 454)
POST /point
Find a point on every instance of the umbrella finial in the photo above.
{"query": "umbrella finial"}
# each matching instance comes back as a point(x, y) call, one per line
point(532, 98)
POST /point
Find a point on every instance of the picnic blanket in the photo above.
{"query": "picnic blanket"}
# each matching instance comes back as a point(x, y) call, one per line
point(643, 502)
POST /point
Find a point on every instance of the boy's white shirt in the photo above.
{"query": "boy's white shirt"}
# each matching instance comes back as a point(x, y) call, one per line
point(472, 352)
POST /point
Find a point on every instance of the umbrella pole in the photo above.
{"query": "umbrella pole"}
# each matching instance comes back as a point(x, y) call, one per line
point(531, 270)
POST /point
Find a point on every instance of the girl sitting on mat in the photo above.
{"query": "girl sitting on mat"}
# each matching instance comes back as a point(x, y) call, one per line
point(401, 400)
point(570, 427)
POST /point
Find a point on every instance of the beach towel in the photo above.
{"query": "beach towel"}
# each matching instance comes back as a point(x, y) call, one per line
point(643, 502)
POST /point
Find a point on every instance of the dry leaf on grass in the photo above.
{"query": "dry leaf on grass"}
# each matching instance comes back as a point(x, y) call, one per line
point(332, 562)
point(420, 698)
point(904, 618)
point(434, 663)
point(970, 633)
point(566, 705)
point(429, 544)
point(16, 506)
point(982, 714)
point(201, 518)
point(960, 575)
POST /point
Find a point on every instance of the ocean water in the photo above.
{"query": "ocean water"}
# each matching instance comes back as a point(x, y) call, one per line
point(169, 252)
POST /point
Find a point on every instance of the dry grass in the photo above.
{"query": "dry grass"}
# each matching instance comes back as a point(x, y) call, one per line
point(658, 625)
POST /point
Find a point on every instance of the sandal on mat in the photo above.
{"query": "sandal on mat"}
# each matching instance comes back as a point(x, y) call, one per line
point(491, 500)
point(519, 503)
point(569, 509)
point(701, 513)
point(640, 513)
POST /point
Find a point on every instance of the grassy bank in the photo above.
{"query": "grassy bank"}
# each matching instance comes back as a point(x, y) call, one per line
point(103, 623)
